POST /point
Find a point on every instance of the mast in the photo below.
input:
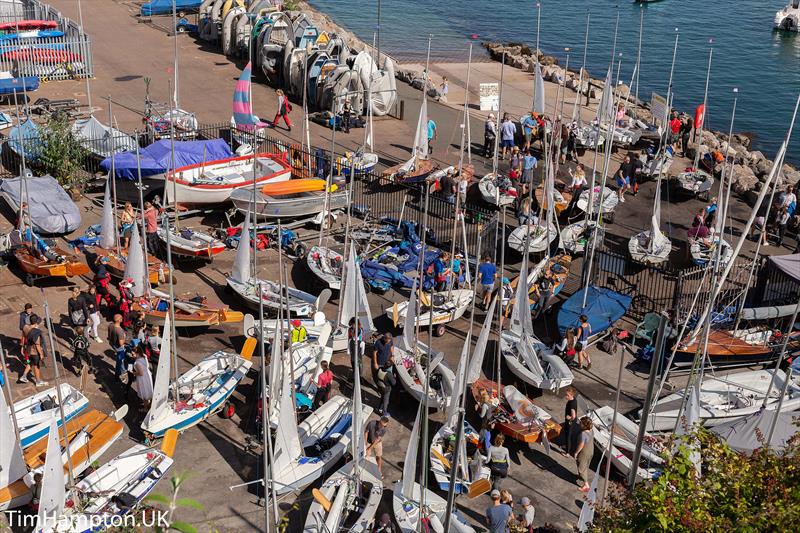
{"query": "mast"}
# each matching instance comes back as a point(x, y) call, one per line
point(10, 393)
point(113, 177)
point(326, 216)
point(88, 82)
point(563, 87)
point(266, 421)
point(700, 127)
point(175, 63)
point(535, 52)
point(575, 110)
point(144, 223)
point(168, 234)
point(458, 205)
point(639, 52)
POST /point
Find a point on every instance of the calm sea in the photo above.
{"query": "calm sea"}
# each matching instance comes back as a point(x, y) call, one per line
point(764, 65)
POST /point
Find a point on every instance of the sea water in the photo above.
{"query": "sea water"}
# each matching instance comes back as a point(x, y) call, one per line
point(763, 64)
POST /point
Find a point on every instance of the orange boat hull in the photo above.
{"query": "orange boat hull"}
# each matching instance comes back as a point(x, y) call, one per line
point(35, 266)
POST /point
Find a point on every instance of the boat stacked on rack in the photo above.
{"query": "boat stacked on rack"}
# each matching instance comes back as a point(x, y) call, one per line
point(625, 436)
point(291, 199)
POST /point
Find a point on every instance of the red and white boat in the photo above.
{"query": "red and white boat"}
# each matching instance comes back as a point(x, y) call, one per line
point(214, 181)
point(20, 25)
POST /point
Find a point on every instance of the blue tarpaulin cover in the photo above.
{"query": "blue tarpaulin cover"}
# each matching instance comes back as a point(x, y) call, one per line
point(157, 158)
point(603, 308)
point(164, 7)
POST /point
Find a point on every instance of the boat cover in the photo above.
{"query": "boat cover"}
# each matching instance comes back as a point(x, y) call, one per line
point(101, 140)
point(373, 271)
point(26, 135)
point(603, 308)
point(156, 158)
point(742, 434)
point(789, 264)
point(764, 313)
point(52, 210)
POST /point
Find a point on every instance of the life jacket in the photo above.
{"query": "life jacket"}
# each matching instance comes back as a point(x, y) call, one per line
point(299, 334)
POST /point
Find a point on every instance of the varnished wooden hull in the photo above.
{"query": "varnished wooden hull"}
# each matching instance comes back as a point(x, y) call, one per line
point(30, 264)
point(157, 270)
point(208, 316)
point(529, 433)
point(725, 349)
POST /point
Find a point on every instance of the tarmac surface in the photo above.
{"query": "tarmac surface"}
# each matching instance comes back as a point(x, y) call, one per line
point(217, 453)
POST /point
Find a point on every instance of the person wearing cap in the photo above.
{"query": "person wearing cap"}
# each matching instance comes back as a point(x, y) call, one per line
point(525, 518)
point(498, 514)
point(299, 332)
point(489, 135)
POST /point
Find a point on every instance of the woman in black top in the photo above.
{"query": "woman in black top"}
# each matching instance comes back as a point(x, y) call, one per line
point(76, 305)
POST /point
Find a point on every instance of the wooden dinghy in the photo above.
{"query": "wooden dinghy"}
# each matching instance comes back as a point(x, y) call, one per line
point(730, 348)
point(191, 311)
point(115, 263)
point(419, 172)
point(562, 199)
point(45, 260)
point(515, 415)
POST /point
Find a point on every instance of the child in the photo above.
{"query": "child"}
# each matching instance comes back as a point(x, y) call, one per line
point(152, 345)
point(80, 350)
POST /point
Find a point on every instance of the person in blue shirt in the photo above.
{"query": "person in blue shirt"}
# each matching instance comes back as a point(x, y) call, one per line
point(431, 135)
point(488, 273)
point(528, 127)
point(440, 271)
point(507, 132)
point(529, 164)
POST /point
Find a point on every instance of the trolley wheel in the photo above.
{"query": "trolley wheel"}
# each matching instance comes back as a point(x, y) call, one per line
point(367, 287)
point(439, 330)
point(300, 250)
point(181, 14)
point(228, 410)
point(181, 29)
point(29, 280)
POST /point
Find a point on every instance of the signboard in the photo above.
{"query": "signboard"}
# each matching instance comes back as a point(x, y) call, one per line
point(658, 106)
point(490, 96)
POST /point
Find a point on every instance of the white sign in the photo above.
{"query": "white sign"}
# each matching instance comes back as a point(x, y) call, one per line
point(490, 96)
point(658, 106)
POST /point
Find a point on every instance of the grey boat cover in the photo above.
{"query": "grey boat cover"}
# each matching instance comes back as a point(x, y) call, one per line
point(101, 140)
point(765, 313)
point(740, 434)
point(343, 82)
point(379, 83)
point(789, 264)
point(52, 210)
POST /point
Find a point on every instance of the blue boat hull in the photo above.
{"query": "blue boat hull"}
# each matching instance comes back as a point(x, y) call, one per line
point(10, 85)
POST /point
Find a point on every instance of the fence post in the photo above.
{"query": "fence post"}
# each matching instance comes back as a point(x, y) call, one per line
point(676, 296)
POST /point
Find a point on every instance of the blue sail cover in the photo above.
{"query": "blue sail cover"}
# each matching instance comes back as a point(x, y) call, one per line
point(157, 158)
point(603, 308)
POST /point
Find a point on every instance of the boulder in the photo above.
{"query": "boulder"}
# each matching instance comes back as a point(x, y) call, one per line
point(743, 179)
point(742, 139)
point(548, 60)
point(761, 166)
point(407, 75)
point(710, 140)
point(790, 176)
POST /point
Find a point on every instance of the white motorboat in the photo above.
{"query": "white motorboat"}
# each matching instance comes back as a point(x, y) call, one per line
point(728, 397)
point(411, 367)
point(704, 251)
point(116, 488)
point(492, 194)
point(788, 18)
point(326, 264)
point(541, 236)
point(35, 412)
point(201, 391)
point(626, 433)
point(575, 237)
point(213, 182)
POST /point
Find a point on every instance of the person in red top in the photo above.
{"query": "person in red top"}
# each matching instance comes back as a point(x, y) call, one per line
point(674, 127)
point(284, 108)
point(151, 226)
point(324, 382)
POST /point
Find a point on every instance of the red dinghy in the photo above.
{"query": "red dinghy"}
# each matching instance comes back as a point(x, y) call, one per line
point(42, 55)
point(28, 25)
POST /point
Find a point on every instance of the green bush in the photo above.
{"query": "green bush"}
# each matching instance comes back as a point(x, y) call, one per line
point(61, 154)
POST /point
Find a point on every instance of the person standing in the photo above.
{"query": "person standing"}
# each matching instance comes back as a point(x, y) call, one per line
point(570, 417)
point(373, 436)
point(544, 290)
point(585, 331)
point(298, 333)
point(92, 301)
point(347, 112)
point(783, 221)
point(528, 129)
point(527, 515)
point(488, 275)
point(529, 164)
point(432, 134)
point(80, 351)
point(144, 378)
point(507, 133)
point(324, 384)
point(674, 127)
point(355, 343)
point(499, 460)
point(76, 307)
point(24, 320)
point(152, 343)
point(584, 450)
point(383, 370)
point(489, 135)
point(444, 89)
point(36, 352)
point(127, 220)
point(116, 338)
point(284, 108)
point(687, 126)
point(498, 514)
point(151, 226)
point(624, 177)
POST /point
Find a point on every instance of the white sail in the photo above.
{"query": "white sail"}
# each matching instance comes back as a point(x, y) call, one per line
point(521, 313)
point(421, 138)
point(287, 440)
point(689, 422)
point(12, 463)
point(410, 465)
point(549, 196)
point(51, 500)
point(363, 305)
point(451, 414)
point(160, 399)
point(135, 266)
point(108, 229)
point(241, 271)
point(409, 328)
point(538, 100)
point(476, 362)
point(605, 111)
point(356, 439)
point(354, 301)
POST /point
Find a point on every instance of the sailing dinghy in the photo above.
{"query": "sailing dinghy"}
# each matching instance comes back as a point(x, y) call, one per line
point(609, 201)
point(326, 264)
point(188, 242)
point(626, 433)
point(35, 412)
point(651, 247)
point(314, 327)
point(419, 166)
point(541, 235)
point(729, 397)
point(694, 182)
point(492, 194)
point(575, 237)
point(704, 251)
point(407, 496)
point(447, 306)
point(242, 281)
point(201, 391)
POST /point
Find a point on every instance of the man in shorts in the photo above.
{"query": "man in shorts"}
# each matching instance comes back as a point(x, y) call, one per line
point(373, 436)
point(528, 128)
point(36, 352)
point(507, 132)
point(488, 273)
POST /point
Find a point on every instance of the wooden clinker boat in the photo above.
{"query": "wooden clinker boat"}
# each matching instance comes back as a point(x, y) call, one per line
point(156, 269)
point(58, 263)
point(190, 311)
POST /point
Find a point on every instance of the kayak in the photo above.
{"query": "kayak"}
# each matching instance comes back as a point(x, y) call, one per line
point(28, 25)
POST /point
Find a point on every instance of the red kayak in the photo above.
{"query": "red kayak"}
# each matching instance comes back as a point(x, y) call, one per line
point(42, 56)
point(29, 25)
